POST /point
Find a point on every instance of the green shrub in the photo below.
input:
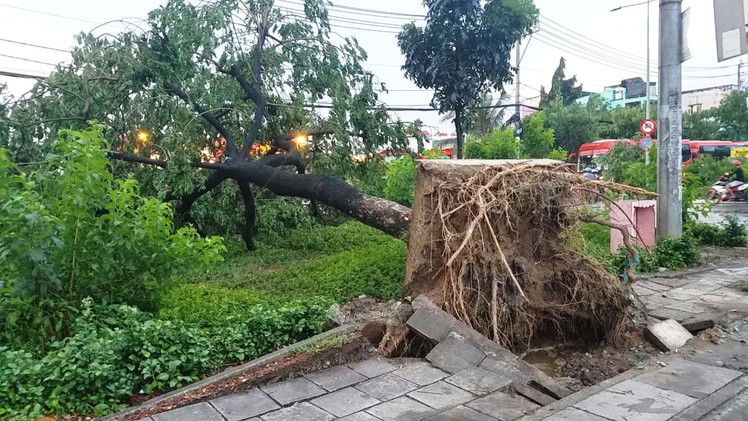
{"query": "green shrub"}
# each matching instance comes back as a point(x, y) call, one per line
point(677, 253)
point(71, 231)
point(400, 181)
point(731, 233)
point(115, 352)
point(499, 144)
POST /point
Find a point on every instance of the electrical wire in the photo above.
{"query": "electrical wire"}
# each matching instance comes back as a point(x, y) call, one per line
point(34, 45)
point(27, 59)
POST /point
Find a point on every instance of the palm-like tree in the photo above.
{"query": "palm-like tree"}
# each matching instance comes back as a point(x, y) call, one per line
point(481, 121)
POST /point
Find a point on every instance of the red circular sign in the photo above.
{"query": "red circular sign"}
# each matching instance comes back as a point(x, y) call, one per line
point(648, 126)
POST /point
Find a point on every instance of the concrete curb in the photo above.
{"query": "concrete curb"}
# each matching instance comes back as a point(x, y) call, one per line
point(695, 271)
point(234, 371)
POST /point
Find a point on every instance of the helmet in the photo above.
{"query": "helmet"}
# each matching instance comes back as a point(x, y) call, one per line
point(736, 162)
point(586, 169)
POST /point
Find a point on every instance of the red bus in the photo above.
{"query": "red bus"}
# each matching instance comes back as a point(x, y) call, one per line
point(589, 151)
point(717, 149)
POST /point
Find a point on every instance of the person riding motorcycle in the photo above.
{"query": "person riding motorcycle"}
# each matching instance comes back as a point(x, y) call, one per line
point(737, 177)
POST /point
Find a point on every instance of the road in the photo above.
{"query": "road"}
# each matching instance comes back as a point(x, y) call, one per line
point(719, 211)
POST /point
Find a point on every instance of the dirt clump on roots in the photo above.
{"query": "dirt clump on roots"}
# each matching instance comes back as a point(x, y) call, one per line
point(490, 243)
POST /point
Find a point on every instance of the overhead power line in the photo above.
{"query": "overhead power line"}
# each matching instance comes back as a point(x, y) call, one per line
point(27, 59)
point(34, 45)
point(48, 14)
point(21, 75)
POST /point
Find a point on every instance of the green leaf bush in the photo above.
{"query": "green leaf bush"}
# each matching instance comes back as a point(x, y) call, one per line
point(115, 352)
point(71, 230)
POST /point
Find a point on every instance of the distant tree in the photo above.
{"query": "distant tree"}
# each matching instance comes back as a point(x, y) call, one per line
point(537, 141)
point(732, 116)
point(624, 123)
point(483, 120)
point(572, 124)
point(562, 89)
point(701, 125)
point(499, 144)
point(464, 50)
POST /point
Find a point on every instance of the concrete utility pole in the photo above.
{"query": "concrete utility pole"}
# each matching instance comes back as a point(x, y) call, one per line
point(669, 118)
point(519, 58)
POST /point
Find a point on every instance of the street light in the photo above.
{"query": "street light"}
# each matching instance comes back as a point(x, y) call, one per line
point(646, 106)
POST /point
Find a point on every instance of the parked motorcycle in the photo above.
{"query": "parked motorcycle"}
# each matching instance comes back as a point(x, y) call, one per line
point(720, 191)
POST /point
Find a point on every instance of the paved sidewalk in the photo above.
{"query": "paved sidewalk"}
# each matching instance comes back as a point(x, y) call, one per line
point(461, 381)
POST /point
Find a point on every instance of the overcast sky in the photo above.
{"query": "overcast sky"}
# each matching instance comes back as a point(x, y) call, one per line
point(601, 47)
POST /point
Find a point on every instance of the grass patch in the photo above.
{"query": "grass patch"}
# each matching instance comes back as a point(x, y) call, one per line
point(321, 266)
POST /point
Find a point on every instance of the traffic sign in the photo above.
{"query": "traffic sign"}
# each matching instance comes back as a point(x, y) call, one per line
point(645, 143)
point(648, 126)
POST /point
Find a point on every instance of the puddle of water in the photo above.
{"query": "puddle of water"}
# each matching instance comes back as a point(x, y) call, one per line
point(543, 360)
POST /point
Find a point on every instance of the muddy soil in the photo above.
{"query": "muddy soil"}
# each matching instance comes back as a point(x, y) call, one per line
point(577, 367)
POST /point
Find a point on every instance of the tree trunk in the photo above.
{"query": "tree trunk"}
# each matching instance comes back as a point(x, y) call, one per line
point(333, 191)
point(249, 231)
point(458, 128)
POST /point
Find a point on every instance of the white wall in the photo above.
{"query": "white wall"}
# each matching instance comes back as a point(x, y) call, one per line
point(704, 99)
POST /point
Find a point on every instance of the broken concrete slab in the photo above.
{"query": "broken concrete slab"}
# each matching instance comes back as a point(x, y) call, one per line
point(505, 369)
point(431, 324)
point(491, 348)
point(532, 394)
point(668, 335)
point(699, 322)
point(455, 353)
point(403, 408)
point(387, 386)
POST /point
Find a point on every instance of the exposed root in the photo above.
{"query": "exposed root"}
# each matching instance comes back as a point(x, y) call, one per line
point(510, 273)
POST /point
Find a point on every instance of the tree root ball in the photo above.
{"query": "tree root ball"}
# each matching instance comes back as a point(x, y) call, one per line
point(492, 243)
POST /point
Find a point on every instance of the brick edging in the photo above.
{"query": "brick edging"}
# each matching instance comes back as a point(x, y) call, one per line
point(233, 371)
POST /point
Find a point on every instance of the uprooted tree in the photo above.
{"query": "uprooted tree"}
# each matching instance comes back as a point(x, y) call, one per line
point(237, 80)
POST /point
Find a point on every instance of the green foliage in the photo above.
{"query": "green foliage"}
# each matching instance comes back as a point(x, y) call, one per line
point(562, 89)
point(731, 233)
point(572, 124)
point(115, 352)
point(731, 115)
point(624, 122)
point(701, 125)
point(707, 170)
point(537, 141)
point(71, 230)
point(558, 154)
point(482, 120)
point(464, 49)
point(278, 217)
point(677, 253)
point(400, 181)
point(500, 144)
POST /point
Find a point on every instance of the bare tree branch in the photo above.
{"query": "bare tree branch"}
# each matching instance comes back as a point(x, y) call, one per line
point(207, 115)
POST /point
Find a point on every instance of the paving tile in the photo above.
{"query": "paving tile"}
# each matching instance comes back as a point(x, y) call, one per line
point(359, 416)
point(303, 411)
point(478, 381)
point(441, 395)
point(505, 369)
point(335, 378)
point(293, 390)
point(690, 307)
point(574, 414)
point(374, 367)
point(244, 405)
point(422, 373)
point(668, 335)
point(460, 413)
point(502, 406)
point(665, 313)
point(197, 412)
point(733, 356)
point(735, 409)
point(401, 409)
point(345, 401)
point(431, 323)
point(456, 353)
point(632, 400)
point(651, 286)
point(689, 378)
point(387, 386)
